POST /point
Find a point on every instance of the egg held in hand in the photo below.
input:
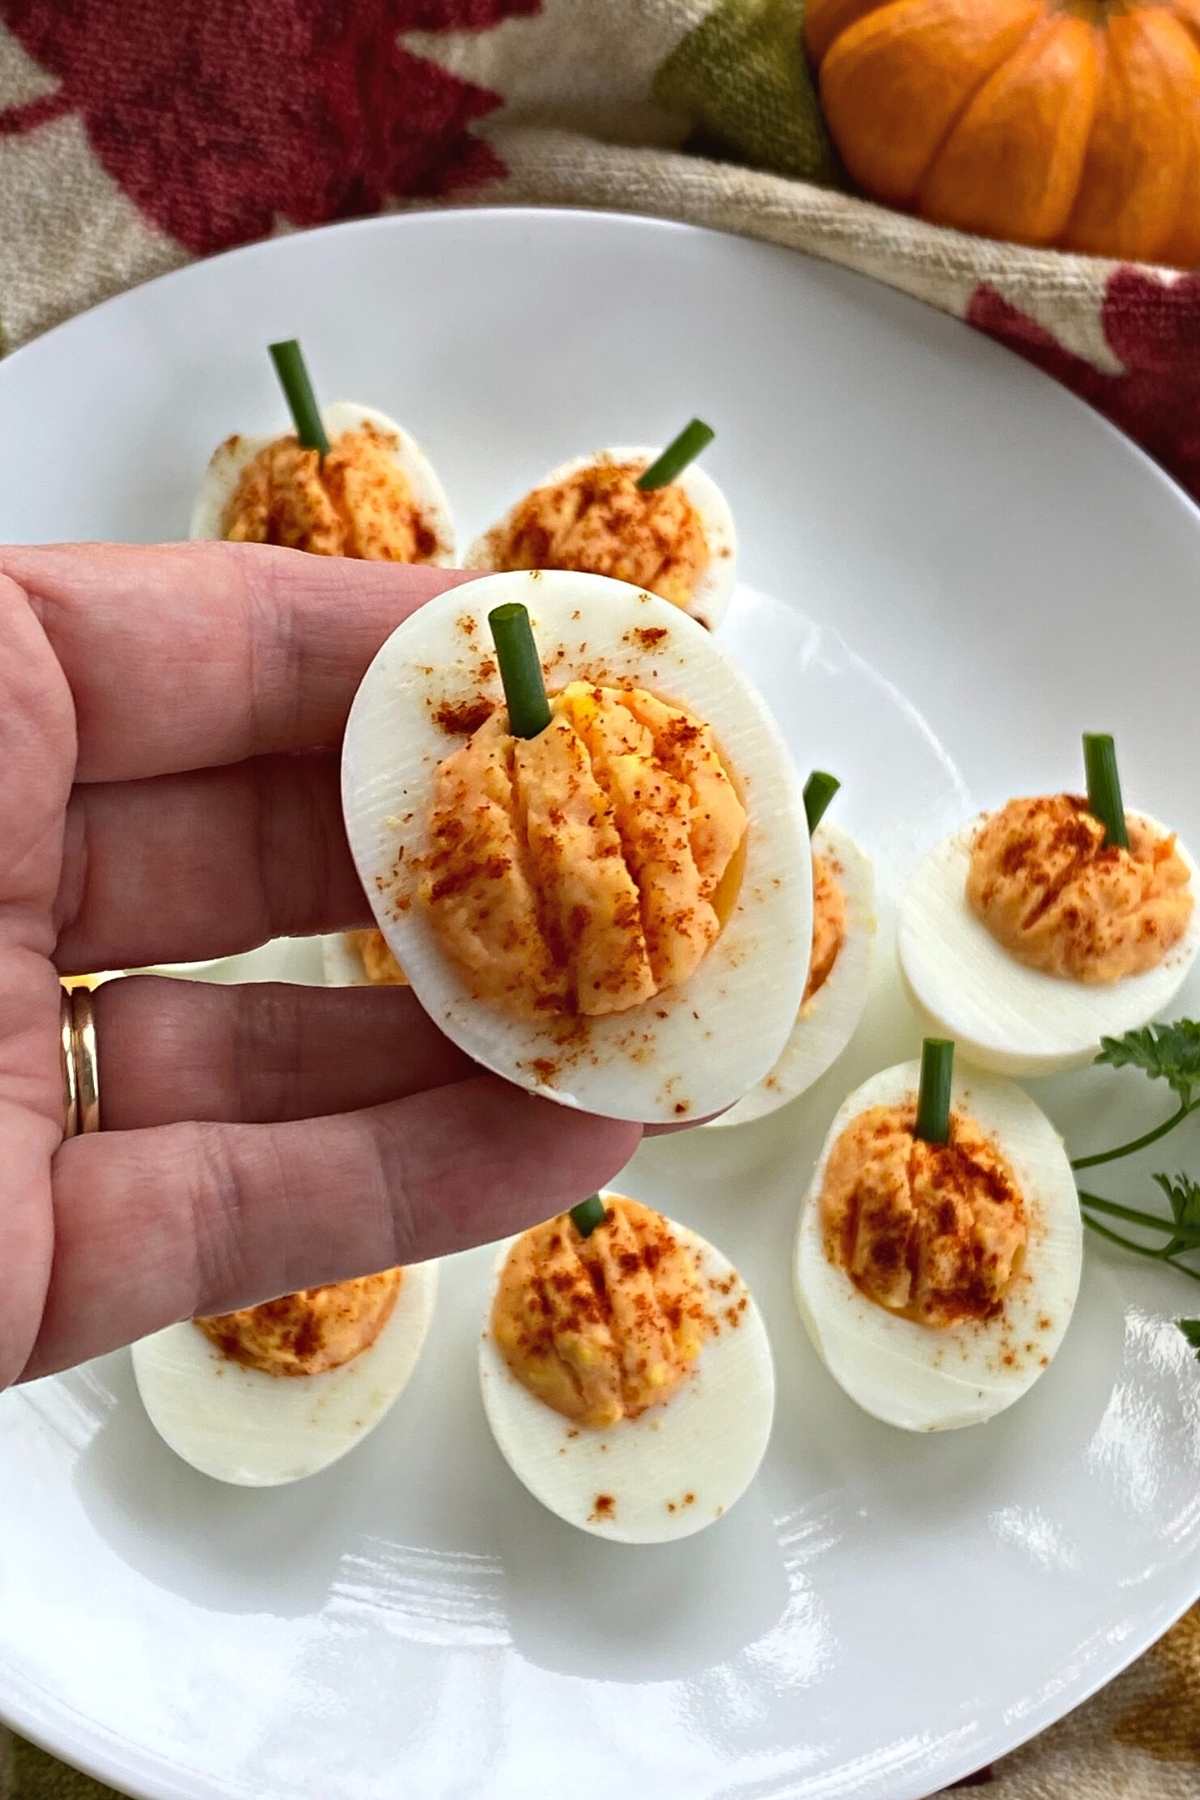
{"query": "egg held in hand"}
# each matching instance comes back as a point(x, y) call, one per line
point(375, 496)
point(1027, 937)
point(615, 911)
point(676, 541)
point(273, 1393)
point(936, 1281)
point(626, 1374)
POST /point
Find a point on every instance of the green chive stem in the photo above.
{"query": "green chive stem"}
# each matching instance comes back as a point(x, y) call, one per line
point(819, 790)
point(298, 392)
point(520, 670)
point(933, 1102)
point(1104, 786)
point(588, 1214)
point(681, 451)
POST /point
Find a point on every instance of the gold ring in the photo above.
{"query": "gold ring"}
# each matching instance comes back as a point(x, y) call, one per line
point(66, 1026)
point(81, 1069)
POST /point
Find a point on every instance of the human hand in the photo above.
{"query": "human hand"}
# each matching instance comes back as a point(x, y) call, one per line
point(169, 729)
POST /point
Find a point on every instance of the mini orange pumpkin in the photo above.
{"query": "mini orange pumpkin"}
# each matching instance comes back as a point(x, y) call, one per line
point(1076, 125)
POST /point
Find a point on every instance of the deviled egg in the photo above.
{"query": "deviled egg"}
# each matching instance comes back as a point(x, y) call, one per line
point(626, 1373)
point(839, 969)
point(360, 959)
point(276, 1392)
point(613, 907)
point(936, 1272)
point(1043, 927)
point(347, 481)
point(635, 513)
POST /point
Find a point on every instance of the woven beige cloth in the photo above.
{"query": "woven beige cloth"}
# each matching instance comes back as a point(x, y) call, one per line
point(134, 137)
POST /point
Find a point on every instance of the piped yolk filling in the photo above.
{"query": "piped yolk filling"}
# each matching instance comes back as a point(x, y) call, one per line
point(603, 1327)
point(379, 965)
point(829, 925)
point(599, 521)
point(356, 502)
point(1054, 894)
point(309, 1332)
point(933, 1232)
point(589, 868)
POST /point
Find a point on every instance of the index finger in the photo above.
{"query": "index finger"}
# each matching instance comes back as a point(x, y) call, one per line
point(184, 656)
point(157, 1224)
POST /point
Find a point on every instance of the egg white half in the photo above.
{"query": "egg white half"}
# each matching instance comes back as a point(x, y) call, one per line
point(715, 587)
point(827, 1022)
point(686, 1052)
point(179, 968)
point(915, 1376)
point(230, 458)
point(707, 1440)
point(1004, 1016)
point(254, 1430)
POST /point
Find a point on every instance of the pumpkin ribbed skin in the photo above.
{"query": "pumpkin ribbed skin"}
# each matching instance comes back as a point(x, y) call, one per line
point(1076, 124)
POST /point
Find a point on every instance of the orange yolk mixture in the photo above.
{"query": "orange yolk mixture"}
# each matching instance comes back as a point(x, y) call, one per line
point(379, 965)
point(1053, 893)
point(601, 1327)
point(829, 924)
point(356, 502)
point(589, 868)
point(934, 1232)
point(309, 1332)
point(599, 521)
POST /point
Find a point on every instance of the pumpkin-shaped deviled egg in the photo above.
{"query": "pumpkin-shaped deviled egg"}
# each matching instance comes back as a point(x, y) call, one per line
point(346, 481)
point(651, 517)
point(602, 892)
point(939, 1249)
point(626, 1372)
point(1049, 924)
point(839, 969)
point(273, 1393)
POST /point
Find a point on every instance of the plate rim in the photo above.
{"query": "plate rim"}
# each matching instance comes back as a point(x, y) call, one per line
point(89, 1755)
point(32, 1711)
point(609, 215)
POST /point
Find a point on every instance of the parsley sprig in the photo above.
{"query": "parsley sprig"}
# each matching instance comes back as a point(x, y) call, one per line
point(1169, 1053)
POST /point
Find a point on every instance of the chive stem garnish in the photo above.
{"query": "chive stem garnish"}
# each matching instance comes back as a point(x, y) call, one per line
point(681, 451)
point(298, 392)
point(520, 670)
point(1104, 787)
point(933, 1102)
point(588, 1214)
point(819, 790)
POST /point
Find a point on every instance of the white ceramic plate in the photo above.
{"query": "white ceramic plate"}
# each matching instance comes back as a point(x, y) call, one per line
point(949, 569)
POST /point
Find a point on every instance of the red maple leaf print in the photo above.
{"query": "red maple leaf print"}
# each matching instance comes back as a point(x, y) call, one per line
point(1153, 328)
point(217, 117)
